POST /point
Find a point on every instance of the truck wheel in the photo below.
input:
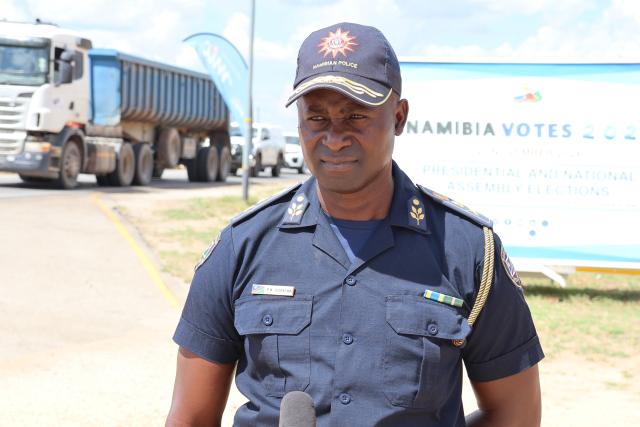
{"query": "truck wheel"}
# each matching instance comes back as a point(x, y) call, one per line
point(275, 169)
point(144, 164)
point(255, 169)
point(103, 180)
point(207, 164)
point(168, 147)
point(125, 167)
point(192, 169)
point(157, 171)
point(225, 164)
point(70, 164)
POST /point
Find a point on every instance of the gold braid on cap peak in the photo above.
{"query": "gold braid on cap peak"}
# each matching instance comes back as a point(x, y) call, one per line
point(355, 87)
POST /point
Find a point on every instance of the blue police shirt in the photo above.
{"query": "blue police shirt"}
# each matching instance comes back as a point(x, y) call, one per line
point(359, 337)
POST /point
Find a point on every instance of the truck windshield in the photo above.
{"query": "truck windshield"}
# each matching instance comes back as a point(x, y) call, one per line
point(24, 63)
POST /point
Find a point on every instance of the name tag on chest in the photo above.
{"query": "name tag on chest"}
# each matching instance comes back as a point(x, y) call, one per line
point(285, 291)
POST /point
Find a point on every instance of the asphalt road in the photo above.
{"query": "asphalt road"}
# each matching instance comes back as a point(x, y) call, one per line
point(11, 186)
point(85, 327)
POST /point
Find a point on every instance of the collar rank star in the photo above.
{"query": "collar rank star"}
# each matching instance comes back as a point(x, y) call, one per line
point(416, 213)
point(296, 209)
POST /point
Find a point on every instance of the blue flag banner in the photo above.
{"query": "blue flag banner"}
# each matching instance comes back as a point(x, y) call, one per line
point(227, 68)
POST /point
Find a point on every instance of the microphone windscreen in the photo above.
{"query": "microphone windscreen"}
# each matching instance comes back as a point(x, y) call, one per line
point(297, 410)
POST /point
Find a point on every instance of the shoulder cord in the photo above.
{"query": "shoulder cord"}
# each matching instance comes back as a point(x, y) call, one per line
point(485, 282)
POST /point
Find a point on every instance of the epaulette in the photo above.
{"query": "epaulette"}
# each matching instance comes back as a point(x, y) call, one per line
point(247, 213)
point(458, 207)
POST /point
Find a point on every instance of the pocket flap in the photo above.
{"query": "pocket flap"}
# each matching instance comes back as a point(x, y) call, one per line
point(266, 315)
point(416, 315)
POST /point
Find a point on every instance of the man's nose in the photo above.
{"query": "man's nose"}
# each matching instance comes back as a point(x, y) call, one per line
point(336, 137)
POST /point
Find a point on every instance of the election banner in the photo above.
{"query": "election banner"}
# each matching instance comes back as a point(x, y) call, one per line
point(549, 152)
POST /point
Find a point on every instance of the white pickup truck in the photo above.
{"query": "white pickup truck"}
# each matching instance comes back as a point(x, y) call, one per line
point(268, 148)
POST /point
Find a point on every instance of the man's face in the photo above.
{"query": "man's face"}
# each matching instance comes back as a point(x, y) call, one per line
point(346, 145)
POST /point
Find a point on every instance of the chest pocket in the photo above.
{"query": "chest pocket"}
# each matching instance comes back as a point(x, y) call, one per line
point(421, 365)
point(276, 340)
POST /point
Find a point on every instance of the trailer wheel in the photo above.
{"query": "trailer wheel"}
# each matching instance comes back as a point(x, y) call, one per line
point(144, 164)
point(225, 164)
point(125, 167)
point(157, 171)
point(70, 164)
point(192, 169)
point(207, 164)
point(169, 147)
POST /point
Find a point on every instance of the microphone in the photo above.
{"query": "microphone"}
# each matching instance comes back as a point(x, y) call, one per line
point(297, 410)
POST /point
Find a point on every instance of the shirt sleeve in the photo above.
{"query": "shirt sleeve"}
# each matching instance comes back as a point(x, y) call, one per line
point(503, 340)
point(206, 325)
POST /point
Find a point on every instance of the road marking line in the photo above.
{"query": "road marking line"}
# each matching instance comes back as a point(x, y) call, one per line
point(144, 259)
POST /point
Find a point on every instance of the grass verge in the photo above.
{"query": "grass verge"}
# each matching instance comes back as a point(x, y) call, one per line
point(595, 316)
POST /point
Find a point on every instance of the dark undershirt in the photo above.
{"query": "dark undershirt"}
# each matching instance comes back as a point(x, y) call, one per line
point(353, 235)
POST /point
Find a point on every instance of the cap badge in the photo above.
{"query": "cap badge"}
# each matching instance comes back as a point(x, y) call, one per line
point(335, 43)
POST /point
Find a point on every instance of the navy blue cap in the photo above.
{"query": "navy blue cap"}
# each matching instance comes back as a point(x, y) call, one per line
point(353, 59)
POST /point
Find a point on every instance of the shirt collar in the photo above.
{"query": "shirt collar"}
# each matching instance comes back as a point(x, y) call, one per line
point(407, 205)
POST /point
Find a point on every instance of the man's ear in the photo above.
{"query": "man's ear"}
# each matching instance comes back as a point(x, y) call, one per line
point(401, 114)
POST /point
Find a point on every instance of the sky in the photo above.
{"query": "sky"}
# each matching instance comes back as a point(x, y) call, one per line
point(523, 30)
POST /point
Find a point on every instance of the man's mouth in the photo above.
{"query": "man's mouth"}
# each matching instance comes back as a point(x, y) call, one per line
point(338, 164)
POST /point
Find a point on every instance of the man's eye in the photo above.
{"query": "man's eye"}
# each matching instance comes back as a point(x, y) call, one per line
point(356, 116)
point(316, 118)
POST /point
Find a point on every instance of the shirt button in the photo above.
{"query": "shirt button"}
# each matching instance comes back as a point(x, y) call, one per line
point(432, 329)
point(350, 280)
point(347, 339)
point(267, 319)
point(345, 399)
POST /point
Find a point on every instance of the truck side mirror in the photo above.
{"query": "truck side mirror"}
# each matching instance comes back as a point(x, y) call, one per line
point(65, 68)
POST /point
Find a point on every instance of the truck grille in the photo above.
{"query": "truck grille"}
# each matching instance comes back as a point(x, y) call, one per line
point(12, 124)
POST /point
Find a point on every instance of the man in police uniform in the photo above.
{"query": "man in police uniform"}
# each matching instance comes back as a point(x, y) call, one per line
point(357, 286)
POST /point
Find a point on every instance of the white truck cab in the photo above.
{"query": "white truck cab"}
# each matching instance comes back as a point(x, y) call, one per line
point(40, 92)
